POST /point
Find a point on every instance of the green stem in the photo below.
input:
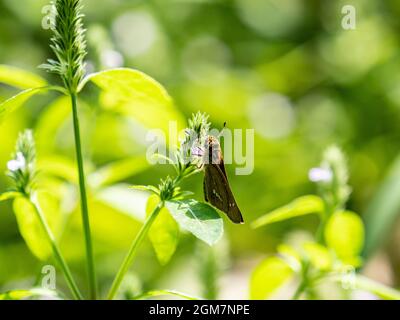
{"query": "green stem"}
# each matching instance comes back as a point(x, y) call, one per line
point(133, 251)
point(304, 281)
point(366, 284)
point(84, 205)
point(56, 251)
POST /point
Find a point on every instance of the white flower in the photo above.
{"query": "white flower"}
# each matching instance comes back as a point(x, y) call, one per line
point(320, 175)
point(18, 163)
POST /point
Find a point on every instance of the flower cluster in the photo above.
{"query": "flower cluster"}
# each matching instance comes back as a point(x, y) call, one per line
point(21, 168)
point(190, 154)
point(68, 44)
point(188, 159)
point(332, 178)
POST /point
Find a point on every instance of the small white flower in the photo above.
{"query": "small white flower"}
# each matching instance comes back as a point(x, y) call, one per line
point(18, 163)
point(320, 175)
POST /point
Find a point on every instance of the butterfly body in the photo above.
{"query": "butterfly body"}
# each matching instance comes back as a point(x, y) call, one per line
point(216, 186)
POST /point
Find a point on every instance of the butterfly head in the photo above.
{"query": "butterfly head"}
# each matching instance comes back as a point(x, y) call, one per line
point(212, 151)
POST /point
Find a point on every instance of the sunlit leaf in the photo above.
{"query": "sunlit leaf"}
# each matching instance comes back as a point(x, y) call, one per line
point(58, 166)
point(164, 233)
point(199, 218)
point(28, 294)
point(115, 218)
point(9, 195)
point(49, 122)
point(118, 171)
point(344, 233)
point(268, 276)
point(125, 200)
point(299, 207)
point(378, 289)
point(19, 78)
point(290, 255)
point(18, 100)
point(319, 256)
point(146, 188)
point(135, 94)
point(29, 224)
point(157, 293)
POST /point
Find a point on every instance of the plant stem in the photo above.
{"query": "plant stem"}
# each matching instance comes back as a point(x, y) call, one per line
point(304, 281)
point(84, 205)
point(56, 251)
point(133, 250)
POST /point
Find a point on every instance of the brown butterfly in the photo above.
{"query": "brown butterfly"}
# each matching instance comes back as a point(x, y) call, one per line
point(216, 186)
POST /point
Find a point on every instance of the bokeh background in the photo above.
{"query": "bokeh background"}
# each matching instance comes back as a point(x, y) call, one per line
point(283, 67)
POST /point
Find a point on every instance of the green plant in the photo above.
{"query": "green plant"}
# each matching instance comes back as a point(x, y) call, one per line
point(170, 204)
point(332, 255)
point(28, 209)
point(131, 94)
point(68, 44)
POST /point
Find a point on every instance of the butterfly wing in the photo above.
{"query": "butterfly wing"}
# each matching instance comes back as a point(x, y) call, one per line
point(218, 193)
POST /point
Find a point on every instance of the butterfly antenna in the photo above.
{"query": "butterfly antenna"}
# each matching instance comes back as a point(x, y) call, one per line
point(222, 130)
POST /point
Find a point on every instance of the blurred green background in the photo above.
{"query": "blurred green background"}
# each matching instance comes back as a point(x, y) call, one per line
point(283, 67)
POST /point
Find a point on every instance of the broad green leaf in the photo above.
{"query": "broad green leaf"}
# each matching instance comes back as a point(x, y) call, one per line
point(135, 94)
point(383, 210)
point(199, 218)
point(125, 200)
point(157, 293)
point(318, 255)
point(268, 276)
point(29, 224)
point(60, 167)
point(49, 123)
point(28, 294)
point(20, 78)
point(116, 215)
point(152, 189)
point(290, 255)
point(376, 288)
point(164, 233)
point(299, 207)
point(18, 100)
point(9, 195)
point(344, 233)
point(118, 171)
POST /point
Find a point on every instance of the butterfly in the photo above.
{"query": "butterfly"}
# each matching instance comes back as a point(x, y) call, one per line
point(216, 186)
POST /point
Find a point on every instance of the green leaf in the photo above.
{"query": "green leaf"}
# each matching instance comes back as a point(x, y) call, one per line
point(135, 94)
point(152, 189)
point(28, 294)
point(291, 256)
point(268, 276)
point(376, 288)
point(58, 166)
point(125, 200)
point(344, 233)
point(9, 195)
point(299, 207)
point(157, 293)
point(49, 123)
point(29, 224)
point(18, 100)
point(118, 171)
point(319, 256)
point(199, 218)
point(20, 78)
point(164, 233)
